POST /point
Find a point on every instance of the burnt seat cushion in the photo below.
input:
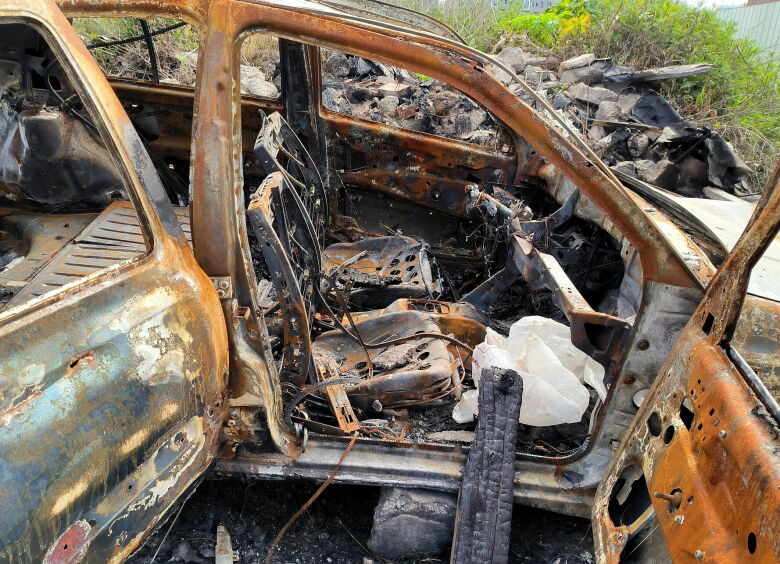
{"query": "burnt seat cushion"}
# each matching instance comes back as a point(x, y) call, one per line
point(381, 269)
point(417, 371)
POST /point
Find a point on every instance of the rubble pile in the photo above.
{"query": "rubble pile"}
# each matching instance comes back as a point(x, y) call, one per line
point(637, 132)
point(385, 94)
point(616, 109)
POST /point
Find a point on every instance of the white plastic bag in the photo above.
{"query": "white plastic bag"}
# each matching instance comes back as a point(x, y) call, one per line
point(552, 368)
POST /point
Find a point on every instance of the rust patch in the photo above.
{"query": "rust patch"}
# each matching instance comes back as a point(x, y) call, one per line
point(71, 546)
point(85, 358)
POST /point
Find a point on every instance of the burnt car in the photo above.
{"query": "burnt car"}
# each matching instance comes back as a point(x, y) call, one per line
point(204, 276)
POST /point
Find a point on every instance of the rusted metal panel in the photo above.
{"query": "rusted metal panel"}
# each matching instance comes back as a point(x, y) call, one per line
point(672, 286)
point(51, 158)
point(600, 335)
point(113, 237)
point(39, 238)
point(297, 355)
point(426, 169)
point(703, 441)
point(114, 385)
point(338, 399)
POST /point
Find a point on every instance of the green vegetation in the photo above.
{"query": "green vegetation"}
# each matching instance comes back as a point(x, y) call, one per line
point(740, 97)
point(566, 19)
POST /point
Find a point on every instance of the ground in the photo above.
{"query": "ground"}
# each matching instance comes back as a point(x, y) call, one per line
point(335, 530)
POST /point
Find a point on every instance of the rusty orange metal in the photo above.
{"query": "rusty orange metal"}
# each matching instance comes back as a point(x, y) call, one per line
point(74, 367)
point(704, 440)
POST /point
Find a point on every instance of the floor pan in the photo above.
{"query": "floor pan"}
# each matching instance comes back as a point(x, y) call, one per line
point(112, 237)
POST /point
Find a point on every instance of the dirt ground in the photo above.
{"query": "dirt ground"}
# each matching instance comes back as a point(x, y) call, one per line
point(335, 530)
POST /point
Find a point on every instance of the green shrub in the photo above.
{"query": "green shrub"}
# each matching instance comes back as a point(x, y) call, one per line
point(568, 18)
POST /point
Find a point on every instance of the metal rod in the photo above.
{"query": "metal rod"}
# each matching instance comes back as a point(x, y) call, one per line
point(150, 48)
point(755, 383)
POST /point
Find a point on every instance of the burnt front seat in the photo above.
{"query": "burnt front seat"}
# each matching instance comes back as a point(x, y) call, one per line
point(380, 270)
point(376, 270)
point(399, 357)
point(408, 371)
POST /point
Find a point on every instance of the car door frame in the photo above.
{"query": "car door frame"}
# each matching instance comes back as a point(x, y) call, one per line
point(670, 289)
point(697, 475)
point(565, 485)
point(113, 386)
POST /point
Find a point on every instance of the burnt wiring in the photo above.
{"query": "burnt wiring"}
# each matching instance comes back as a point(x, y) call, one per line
point(308, 390)
point(446, 277)
point(345, 309)
point(490, 235)
point(66, 104)
point(275, 543)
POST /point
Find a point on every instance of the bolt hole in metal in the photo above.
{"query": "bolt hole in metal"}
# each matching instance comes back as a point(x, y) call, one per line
point(673, 499)
point(686, 413)
point(668, 434)
point(752, 543)
point(654, 424)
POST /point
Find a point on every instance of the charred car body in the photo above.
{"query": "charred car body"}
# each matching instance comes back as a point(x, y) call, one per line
point(195, 279)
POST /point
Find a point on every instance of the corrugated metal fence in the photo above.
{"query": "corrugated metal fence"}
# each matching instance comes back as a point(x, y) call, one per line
point(760, 22)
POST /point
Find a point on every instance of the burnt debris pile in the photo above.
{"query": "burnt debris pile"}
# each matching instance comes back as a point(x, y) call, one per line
point(616, 109)
point(384, 94)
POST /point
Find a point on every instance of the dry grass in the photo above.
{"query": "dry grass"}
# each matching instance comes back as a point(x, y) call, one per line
point(176, 50)
point(476, 21)
point(262, 51)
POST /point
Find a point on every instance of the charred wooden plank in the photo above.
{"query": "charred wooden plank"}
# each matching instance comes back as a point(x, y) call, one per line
point(484, 516)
